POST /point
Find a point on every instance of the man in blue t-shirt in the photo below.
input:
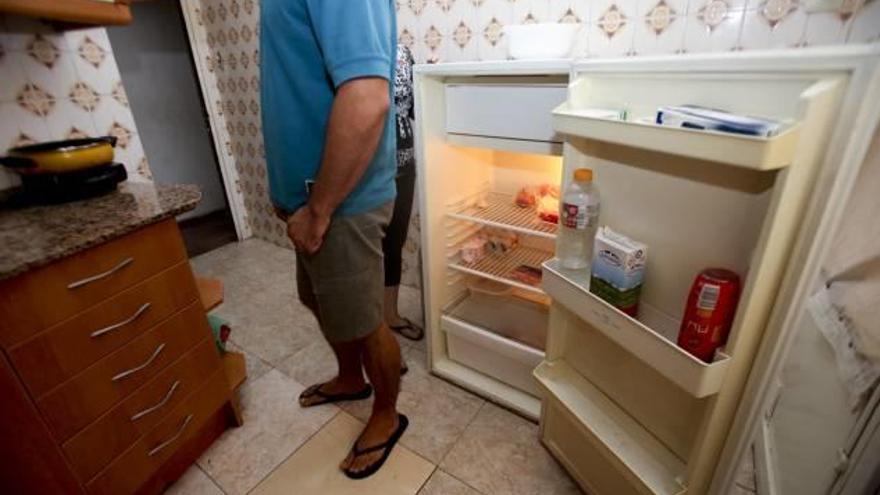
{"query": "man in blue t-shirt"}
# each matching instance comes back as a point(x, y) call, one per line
point(330, 150)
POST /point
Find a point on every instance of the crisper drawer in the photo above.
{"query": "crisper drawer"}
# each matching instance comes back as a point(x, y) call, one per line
point(74, 344)
point(100, 442)
point(137, 464)
point(43, 297)
point(501, 358)
point(508, 316)
point(513, 111)
point(77, 402)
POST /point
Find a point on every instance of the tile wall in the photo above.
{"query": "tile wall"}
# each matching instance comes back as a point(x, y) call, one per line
point(61, 85)
point(461, 30)
point(227, 32)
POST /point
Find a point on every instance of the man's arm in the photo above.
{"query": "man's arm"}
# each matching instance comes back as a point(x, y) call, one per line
point(357, 120)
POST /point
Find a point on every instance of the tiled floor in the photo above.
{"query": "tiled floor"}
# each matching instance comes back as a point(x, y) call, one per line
point(457, 443)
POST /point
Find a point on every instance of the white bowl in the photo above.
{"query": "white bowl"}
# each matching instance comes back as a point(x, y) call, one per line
point(541, 41)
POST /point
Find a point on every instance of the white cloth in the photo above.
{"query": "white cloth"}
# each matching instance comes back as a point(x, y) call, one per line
point(853, 265)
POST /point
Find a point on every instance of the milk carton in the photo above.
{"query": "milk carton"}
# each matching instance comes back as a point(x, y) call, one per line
point(618, 269)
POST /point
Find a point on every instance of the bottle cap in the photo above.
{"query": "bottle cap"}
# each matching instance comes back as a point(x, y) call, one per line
point(583, 175)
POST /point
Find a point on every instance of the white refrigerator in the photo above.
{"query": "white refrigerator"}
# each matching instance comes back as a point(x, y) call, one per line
point(621, 406)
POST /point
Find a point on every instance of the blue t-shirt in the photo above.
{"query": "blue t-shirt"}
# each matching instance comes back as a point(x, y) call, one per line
point(308, 49)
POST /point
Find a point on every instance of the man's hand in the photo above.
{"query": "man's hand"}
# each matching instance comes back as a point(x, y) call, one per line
point(306, 228)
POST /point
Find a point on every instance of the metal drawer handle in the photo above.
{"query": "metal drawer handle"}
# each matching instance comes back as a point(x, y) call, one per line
point(159, 404)
point(155, 450)
point(126, 373)
point(135, 316)
point(94, 278)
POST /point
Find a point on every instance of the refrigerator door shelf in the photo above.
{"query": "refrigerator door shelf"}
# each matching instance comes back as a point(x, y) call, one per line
point(594, 437)
point(752, 152)
point(697, 378)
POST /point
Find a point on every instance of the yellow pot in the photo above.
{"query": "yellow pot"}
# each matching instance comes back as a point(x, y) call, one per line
point(61, 156)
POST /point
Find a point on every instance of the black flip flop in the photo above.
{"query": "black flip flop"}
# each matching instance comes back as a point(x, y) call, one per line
point(315, 390)
point(419, 332)
point(402, 423)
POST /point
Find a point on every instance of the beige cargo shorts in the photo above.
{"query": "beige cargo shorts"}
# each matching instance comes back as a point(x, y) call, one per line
point(344, 281)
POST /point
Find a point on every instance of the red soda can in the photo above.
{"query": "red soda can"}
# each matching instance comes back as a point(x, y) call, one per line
point(709, 314)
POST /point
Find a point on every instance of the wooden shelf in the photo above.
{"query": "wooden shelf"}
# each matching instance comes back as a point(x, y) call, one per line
point(751, 152)
point(235, 368)
point(697, 378)
point(95, 12)
point(611, 431)
point(210, 292)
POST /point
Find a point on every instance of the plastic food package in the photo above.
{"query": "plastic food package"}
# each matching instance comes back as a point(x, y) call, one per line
point(474, 249)
point(526, 274)
point(500, 241)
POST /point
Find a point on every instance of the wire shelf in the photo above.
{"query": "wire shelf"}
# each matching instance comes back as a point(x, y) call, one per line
point(498, 267)
point(501, 211)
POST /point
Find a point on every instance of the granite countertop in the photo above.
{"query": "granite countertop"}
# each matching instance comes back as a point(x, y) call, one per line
point(38, 235)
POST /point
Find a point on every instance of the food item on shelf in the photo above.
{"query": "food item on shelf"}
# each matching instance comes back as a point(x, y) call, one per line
point(709, 313)
point(481, 204)
point(551, 190)
point(527, 274)
point(703, 118)
point(618, 270)
point(548, 209)
point(527, 197)
point(530, 196)
point(579, 217)
point(500, 241)
point(474, 249)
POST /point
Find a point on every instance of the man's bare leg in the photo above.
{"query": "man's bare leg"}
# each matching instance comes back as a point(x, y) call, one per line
point(381, 357)
point(349, 378)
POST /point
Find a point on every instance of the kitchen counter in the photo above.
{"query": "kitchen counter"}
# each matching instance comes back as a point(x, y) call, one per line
point(36, 236)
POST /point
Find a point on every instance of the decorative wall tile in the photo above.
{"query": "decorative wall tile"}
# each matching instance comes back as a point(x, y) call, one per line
point(773, 24)
point(13, 74)
point(8, 125)
point(827, 28)
point(433, 34)
point(492, 16)
point(56, 78)
point(713, 26)
point(32, 128)
point(463, 31)
point(51, 86)
point(866, 24)
point(70, 121)
point(612, 32)
point(661, 31)
point(111, 117)
point(19, 31)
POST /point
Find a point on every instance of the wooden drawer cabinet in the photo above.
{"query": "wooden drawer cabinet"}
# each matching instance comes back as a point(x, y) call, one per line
point(99, 443)
point(48, 295)
point(70, 346)
point(79, 401)
point(116, 382)
point(138, 463)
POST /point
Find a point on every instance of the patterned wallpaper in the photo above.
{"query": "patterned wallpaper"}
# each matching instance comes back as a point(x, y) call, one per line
point(60, 85)
point(227, 40)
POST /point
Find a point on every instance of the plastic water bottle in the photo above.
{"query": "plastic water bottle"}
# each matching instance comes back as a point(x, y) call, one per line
point(578, 221)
